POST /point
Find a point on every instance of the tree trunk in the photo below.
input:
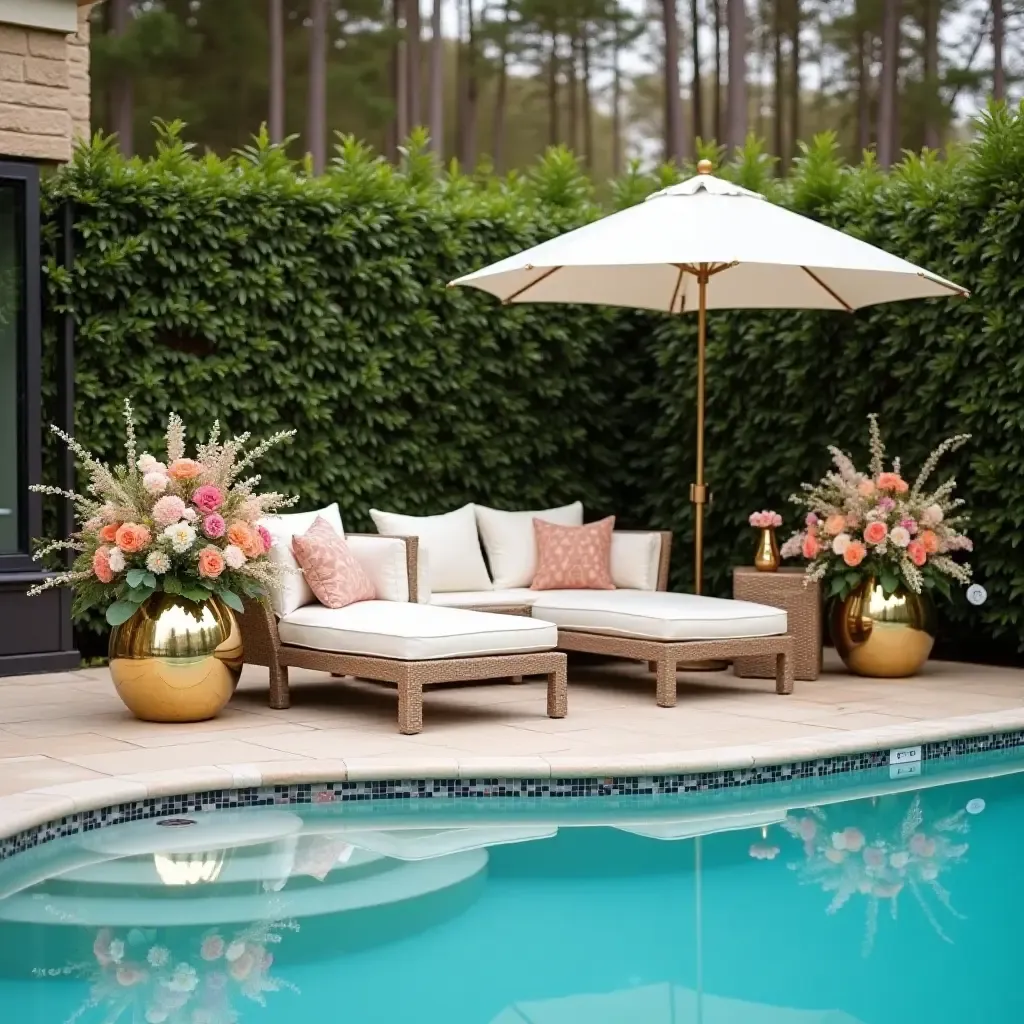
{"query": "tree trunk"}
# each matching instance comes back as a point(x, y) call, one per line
point(469, 154)
point(316, 113)
point(399, 76)
point(436, 81)
point(673, 101)
point(414, 70)
point(501, 96)
point(863, 88)
point(275, 118)
point(931, 73)
point(887, 147)
point(778, 119)
point(616, 102)
point(460, 80)
point(122, 92)
point(736, 101)
point(794, 82)
point(572, 115)
point(998, 41)
point(717, 107)
point(698, 91)
point(553, 131)
point(588, 111)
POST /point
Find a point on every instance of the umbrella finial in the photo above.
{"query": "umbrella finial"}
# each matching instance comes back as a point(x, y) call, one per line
point(703, 166)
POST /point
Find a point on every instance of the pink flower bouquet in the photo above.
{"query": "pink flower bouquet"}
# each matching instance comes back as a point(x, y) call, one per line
point(875, 524)
point(765, 520)
point(183, 526)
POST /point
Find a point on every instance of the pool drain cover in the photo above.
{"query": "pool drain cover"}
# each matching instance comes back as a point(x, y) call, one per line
point(176, 822)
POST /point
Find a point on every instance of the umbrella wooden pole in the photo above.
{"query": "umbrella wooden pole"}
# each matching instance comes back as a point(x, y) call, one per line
point(698, 491)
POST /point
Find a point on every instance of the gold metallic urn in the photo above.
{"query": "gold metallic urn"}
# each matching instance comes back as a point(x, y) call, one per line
point(175, 660)
point(766, 557)
point(883, 637)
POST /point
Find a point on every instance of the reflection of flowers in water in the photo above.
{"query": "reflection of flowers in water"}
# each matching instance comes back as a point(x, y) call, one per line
point(134, 975)
point(763, 851)
point(880, 866)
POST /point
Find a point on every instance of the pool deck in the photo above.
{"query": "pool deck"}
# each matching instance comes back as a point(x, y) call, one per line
point(67, 743)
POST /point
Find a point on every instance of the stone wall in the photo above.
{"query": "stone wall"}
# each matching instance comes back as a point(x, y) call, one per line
point(44, 90)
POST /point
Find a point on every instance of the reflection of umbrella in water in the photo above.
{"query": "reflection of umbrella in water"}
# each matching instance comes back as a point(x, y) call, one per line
point(661, 1004)
point(707, 244)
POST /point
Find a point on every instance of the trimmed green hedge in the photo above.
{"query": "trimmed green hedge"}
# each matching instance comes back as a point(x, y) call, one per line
point(244, 289)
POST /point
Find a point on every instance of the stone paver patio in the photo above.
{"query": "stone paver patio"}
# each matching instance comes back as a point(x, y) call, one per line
point(67, 743)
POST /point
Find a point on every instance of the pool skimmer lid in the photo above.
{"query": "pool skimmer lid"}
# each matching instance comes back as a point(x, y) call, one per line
point(176, 822)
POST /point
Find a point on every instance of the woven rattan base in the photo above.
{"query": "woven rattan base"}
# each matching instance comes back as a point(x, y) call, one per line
point(664, 656)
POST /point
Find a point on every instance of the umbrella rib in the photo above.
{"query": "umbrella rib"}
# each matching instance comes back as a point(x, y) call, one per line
point(821, 284)
point(527, 287)
point(954, 288)
point(675, 293)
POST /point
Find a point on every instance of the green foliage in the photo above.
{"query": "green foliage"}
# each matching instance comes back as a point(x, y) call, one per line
point(241, 289)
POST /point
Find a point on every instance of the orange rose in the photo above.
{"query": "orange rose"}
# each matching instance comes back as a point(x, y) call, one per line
point(184, 469)
point(243, 536)
point(109, 533)
point(128, 976)
point(874, 533)
point(835, 525)
point(917, 552)
point(132, 537)
point(241, 968)
point(211, 563)
point(930, 540)
point(892, 482)
point(854, 554)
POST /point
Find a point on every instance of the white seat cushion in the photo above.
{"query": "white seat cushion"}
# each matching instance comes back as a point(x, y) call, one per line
point(510, 544)
point(450, 542)
point(485, 598)
point(657, 615)
point(293, 591)
point(414, 632)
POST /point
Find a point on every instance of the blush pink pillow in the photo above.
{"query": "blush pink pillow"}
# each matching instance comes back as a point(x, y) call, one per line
point(573, 557)
point(331, 570)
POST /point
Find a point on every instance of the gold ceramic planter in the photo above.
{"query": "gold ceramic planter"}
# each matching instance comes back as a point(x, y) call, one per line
point(766, 558)
point(175, 660)
point(883, 637)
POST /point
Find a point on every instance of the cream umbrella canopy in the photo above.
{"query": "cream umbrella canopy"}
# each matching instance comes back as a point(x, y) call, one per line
point(703, 244)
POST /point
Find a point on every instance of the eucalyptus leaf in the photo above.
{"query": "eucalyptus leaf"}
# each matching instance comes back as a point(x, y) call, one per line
point(231, 599)
point(120, 611)
point(140, 594)
point(135, 577)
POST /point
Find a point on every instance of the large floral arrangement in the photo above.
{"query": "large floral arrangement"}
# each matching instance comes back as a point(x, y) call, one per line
point(881, 860)
point(187, 526)
point(859, 525)
point(136, 978)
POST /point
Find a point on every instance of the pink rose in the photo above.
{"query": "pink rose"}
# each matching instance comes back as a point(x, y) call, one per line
point(214, 525)
point(853, 839)
point(875, 533)
point(811, 547)
point(918, 553)
point(211, 563)
point(268, 541)
point(208, 498)
point(874, 857)
point(212, 948)
point(168, 510)
point(101, 565)
point(854, 554)
point(811, 520)
point(807, 828)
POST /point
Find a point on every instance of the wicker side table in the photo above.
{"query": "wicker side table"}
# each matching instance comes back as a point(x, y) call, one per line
point(802, 603)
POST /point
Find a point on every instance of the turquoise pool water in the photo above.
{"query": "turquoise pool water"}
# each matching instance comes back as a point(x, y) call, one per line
point(841, 902)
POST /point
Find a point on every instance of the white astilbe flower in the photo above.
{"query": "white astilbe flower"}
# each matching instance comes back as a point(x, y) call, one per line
point(951, 444)
point(911, 574)
point(843, 463)
point(257, 453)
point(73, 544)
point(129, 435)
point(877, 447)
point(175, 438)
point(63, 579)
point(945, 564)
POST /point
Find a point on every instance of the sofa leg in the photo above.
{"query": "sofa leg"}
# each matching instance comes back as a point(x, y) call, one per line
point(410, 707)
point(516, 679)
point(558, 692)
point(666, 683)
point(652, 667)
point(783, 673)
point(280, 698)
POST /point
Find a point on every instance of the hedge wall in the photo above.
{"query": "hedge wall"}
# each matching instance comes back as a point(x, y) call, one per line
point(246, 290)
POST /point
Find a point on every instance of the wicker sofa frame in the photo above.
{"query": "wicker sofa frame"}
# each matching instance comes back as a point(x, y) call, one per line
point(263, 646)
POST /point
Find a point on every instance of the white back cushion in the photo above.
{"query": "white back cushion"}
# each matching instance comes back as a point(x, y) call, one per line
point(293, 591)
point(510, 544)
point(450, 545)
point(385, 561)
point(635, 560)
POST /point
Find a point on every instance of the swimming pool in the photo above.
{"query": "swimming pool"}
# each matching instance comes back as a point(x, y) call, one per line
point(855, 899)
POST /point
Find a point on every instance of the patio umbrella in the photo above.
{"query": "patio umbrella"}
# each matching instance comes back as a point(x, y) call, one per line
point(707, 244)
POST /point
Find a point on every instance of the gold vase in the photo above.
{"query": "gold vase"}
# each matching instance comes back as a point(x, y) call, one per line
point(883, 637)
point(175, 660)
point(766, 558)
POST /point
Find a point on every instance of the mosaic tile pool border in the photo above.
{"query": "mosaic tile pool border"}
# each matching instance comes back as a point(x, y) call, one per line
point(476, 789)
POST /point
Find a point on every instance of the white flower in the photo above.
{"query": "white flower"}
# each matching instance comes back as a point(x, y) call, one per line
point(181, 535)
point(116, 559)
point(190, 514)
point(234, 951)
point(900, 536)
point(838, 841)
point(234, 556)
point(184, 980)
point(932, 515)
point(158, 956)
point(841, 543)
point(146, 463)
point(116, 951)
point(158, 562)
point(155, 483)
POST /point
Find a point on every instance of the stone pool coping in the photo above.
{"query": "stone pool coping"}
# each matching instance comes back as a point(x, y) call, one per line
point(28, 810)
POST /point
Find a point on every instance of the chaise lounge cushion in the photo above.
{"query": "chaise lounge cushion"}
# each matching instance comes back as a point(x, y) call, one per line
point(414, 632)
point(514, 596)
point(658, 615)
point(510, 544)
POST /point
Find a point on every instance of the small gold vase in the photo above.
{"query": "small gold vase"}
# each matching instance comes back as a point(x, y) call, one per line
point(175, 660)
point(766, 558)
point(882, 637)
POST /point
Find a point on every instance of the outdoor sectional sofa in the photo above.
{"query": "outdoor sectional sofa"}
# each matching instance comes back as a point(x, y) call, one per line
point(420, 631)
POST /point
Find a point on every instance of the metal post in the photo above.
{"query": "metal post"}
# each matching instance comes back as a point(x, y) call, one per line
point(698, 491)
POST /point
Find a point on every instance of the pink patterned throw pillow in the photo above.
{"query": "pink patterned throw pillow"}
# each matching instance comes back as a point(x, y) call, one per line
point(573, 557)
point(331, 570)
